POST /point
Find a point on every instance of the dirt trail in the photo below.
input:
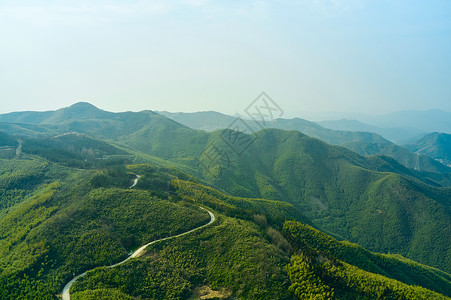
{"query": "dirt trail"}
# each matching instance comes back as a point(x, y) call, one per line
point(135, 181)
point(19, 148)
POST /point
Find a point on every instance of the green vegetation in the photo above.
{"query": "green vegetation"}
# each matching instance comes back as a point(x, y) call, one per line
point(374, 202)
point(435, 145)
point(68, 227)
point(20, 178)
point(318, 277)
point(66, 207)
point(363, 142)
point(76, 150)
point(250, 258)
point(318, 252)
point(244, 208)
point(232, 254)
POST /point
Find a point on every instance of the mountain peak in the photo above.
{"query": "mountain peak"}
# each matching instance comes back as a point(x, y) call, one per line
point(83, 105)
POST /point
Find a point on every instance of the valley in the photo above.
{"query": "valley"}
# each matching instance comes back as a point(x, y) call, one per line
point(291, 217)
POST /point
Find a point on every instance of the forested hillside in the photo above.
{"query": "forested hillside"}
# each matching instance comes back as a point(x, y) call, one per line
point(75, 220)
point(363, 142)
point(358, 198)
point(248, 254)
point(132, 127)
point(66, 207)
point(435, 145)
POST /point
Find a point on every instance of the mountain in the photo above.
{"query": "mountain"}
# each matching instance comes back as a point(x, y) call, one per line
point(68, 220)
point(204, 120)
point(396, 135)
point(364, 143)
point(412, 122)
point(361, 199)
point(80, 110)
point(434, 120)
point(373, 201)
point(340, 191)
point(324, 268)
point(86, 118)
point(436, 145)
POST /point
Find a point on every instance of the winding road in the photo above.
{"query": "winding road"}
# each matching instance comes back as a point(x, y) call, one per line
point(137, 253)
point(19, 148)
point(135, 181)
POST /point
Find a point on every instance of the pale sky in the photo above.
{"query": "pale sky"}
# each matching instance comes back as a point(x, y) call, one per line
point(192, 55)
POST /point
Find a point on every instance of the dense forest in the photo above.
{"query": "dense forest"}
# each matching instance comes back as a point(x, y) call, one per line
point(295, 218)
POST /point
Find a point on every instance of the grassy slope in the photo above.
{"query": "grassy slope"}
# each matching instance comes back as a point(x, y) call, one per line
point(232, 254)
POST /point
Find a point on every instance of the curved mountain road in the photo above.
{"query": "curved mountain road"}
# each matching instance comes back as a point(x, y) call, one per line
point(135, 181)
point(137, 253)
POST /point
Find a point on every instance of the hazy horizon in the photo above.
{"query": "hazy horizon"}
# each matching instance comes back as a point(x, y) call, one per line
point(356, 56)
point(310, 115)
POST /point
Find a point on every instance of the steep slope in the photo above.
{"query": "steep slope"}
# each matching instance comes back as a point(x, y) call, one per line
point(362, 199)
point(371, 201)
point(322, 267)
point(21, 178)
point(132, 127)
point(363, 142)
point(245, 258)
point(73, 220)
point(436, 145)
point(338, 190)
point(365, 200)
point(77, 222)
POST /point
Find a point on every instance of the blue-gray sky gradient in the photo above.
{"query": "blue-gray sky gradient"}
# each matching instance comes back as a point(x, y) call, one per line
point(190, 55)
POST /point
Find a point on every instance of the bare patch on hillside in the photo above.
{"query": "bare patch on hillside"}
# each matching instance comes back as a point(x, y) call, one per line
point(316, 201)
point(205, 292)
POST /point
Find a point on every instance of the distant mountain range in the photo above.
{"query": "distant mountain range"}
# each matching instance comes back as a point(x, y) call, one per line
point(400, 127)
point(434, 120)
point(398, 136)
point(337, 189)
point(84, 117)
point(362, 142)
point(66, 206)
point(435, 145)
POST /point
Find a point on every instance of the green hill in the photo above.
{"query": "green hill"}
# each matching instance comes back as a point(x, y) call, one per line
point(338, 190)
point(435, 145)
point(66, 207)
point(380, 205)
point(248, 258)
point(133, 127)
point(323, 268)
point(363, 142)
point(361, 199)
point(80, 220)
point(74, 220)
